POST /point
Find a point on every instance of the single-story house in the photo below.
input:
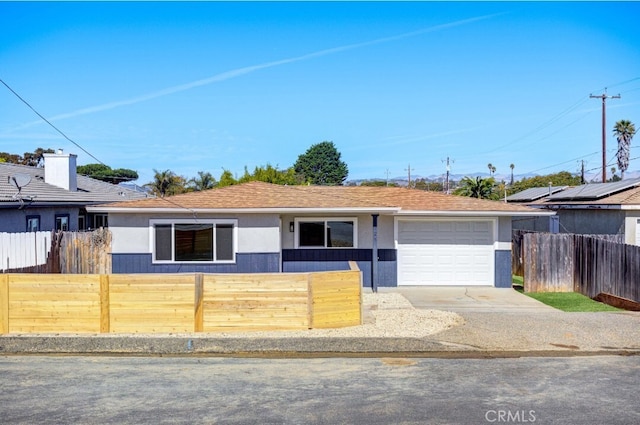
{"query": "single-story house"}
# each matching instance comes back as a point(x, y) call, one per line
point(594, 208)
point(54, 197)
point(397, 236)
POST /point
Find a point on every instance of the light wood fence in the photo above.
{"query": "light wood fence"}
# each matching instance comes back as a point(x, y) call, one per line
point(580, 263)
point(168, 303)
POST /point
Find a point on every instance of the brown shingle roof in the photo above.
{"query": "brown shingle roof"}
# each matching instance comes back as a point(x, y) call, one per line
point(259, 195)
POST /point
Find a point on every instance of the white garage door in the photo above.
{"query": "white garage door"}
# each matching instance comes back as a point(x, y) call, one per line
point(445, 252)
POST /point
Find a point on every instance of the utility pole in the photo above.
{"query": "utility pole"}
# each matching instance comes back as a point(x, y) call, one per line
point(409, 171)
point(446, 184)
point(604, 130)
point(582, 173)
point(387, 177)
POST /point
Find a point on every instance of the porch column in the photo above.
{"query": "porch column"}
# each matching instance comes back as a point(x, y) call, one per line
point(374, 255)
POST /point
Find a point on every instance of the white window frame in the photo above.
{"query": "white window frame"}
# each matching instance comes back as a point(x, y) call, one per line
point(296, 234)
point(173, 222)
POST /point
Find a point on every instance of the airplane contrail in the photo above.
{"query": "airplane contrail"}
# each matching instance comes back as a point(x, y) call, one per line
point(249, 69)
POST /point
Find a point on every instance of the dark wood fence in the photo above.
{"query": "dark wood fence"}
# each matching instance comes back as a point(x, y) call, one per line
point(588, 264)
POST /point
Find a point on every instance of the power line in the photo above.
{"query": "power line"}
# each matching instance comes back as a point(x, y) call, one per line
point(48, 122)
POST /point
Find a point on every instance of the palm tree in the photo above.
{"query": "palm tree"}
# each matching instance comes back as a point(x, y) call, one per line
point(204, 181)
point(624, 131)
point(165, 183)
point(512, 167)
point(490, 167)
point(476, 188)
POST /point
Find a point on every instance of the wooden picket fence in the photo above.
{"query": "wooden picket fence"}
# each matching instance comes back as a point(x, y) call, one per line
point(168, 303)
point(56, 252)
point(580, 263)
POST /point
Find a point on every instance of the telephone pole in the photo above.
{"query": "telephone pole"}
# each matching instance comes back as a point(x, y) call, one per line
point(409, 171)
point(446, 184)
point(604, 98)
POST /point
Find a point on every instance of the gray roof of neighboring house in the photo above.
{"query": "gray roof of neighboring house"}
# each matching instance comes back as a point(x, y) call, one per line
point(594, 190)
point(534, 193)
point(90, 191)
point(624, 192)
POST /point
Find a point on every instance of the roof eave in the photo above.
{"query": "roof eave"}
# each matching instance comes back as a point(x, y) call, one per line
point(478, 213)
point(284, 210)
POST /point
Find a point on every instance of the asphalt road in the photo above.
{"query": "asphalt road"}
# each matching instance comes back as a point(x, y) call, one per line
point(157, 390)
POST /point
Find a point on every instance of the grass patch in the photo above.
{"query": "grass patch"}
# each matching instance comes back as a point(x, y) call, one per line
point(517, 282)
point(570, 301)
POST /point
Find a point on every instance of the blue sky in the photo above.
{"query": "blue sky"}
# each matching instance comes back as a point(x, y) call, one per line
point(204, 86)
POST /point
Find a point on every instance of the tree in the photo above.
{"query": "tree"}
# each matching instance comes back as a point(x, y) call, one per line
point(375, 183)
point(227, 179)
point(321, 165)
point(476, 188)
point(106, 173)
point(204, 181)
point(614, 177)
point(166, 183)
point(624, 131)
point(562, 178)
point(423, 184)
point(32, 159)
point(492, 169)
point(270, 174)
point(512, 167)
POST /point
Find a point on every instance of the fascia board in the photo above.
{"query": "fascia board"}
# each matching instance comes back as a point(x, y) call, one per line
point(124, 210)
point(477, 213)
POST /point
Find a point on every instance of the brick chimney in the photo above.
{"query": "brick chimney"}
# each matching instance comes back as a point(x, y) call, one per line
point(60, 170)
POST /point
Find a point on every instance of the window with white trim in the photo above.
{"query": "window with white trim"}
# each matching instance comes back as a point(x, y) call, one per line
point(62, 222)
point(326, 232)
point(33, 223)
point(183, 241)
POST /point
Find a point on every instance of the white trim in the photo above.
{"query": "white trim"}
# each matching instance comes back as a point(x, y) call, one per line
point(298, 220)
point(214, 222)
point(502, 246)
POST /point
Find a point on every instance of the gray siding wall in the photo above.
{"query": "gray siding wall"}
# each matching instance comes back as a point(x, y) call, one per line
point(592, 222)
point(584, 222)
point(15, 220)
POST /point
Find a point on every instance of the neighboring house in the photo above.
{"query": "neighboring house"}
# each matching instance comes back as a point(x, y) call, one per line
point(595, 208)
point(54, 197)
point(397, 236)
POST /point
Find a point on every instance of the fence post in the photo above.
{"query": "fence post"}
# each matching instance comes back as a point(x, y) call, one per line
point(105, 308)
point(198, 314)
point(4, 304)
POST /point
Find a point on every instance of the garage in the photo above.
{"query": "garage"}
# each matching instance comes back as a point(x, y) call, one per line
point(446, 252)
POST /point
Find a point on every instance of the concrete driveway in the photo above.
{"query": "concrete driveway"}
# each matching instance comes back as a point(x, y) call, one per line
point(469, 299)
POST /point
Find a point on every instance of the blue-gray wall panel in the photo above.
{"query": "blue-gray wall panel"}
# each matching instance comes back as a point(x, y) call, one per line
point(315, 260)
point(245, 263)
point(503, 269)
point(327, 260)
